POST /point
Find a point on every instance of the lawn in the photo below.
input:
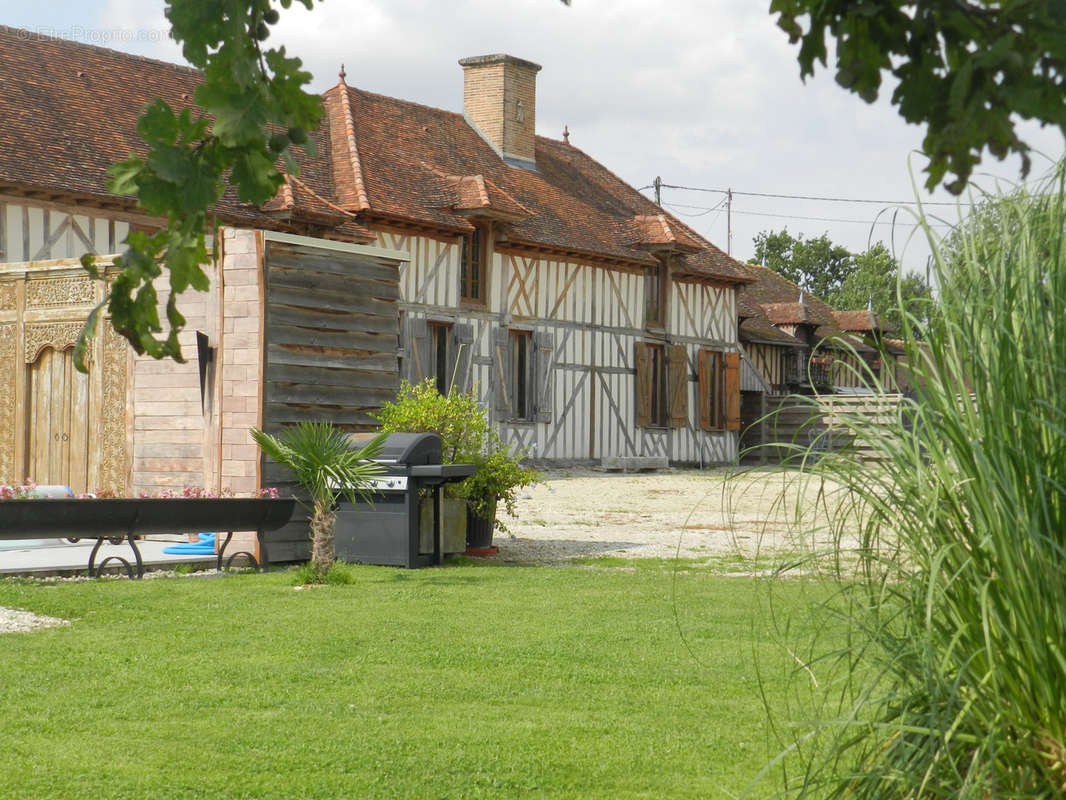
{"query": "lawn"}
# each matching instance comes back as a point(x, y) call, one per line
point(467, 681)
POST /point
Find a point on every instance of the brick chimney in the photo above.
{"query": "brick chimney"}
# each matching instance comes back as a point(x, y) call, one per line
point(500, 102)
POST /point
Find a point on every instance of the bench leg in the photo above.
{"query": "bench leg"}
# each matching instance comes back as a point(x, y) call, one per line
point(229, 561)
point(94, 571)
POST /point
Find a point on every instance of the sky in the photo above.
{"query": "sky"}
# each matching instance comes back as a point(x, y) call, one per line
point(705, 94)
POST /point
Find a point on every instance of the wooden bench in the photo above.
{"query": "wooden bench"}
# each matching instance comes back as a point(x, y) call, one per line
point(121, 519)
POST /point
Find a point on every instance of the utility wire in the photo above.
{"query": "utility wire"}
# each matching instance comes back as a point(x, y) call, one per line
point(831, 219)
point(702, 210)
point(812, 197)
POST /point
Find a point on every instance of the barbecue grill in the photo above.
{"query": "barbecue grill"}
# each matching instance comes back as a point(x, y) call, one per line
point(387, 530)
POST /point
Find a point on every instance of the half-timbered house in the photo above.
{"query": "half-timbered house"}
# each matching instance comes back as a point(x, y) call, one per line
point(419, 243)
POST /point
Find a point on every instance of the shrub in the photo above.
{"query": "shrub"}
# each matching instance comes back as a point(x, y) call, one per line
point(467, 437)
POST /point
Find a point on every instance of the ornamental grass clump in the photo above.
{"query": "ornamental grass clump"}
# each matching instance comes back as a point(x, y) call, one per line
point(953, 682)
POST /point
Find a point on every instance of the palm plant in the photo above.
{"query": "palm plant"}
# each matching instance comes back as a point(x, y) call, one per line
point(953, 681)
point(327, 465)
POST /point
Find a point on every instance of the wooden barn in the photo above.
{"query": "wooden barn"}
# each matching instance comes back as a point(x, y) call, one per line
point(420, 243)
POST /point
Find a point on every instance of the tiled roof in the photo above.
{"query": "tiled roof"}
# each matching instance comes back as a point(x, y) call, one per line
point(783, 303)
point(861, 321)
point(760, 329)
point(787, 313)
point(70, 111)
point(773, 289)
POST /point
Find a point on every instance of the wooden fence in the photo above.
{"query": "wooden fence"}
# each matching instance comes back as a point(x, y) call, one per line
point(794, 423)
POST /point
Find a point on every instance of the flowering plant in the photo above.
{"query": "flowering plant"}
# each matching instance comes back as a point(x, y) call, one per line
point(28, 491)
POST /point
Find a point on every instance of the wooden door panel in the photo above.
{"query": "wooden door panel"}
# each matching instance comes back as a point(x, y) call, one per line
point(57, 449)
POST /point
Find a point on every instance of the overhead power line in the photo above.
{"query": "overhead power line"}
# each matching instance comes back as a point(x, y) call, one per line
point(832, 219)
point(812, 197)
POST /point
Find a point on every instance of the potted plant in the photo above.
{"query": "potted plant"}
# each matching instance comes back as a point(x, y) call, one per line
point(327, 465)
point(467, 437)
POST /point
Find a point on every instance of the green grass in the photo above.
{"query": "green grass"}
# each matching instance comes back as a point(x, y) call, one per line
point(461, 682)
point(735, 563)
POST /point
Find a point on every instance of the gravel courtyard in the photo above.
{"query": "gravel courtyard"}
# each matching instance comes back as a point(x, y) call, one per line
point(583, 512)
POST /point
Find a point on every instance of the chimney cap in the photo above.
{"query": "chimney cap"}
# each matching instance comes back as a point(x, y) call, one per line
point(497, 58)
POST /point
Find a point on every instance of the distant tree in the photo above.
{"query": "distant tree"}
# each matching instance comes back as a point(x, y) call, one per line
point(815, 265)
point(873, 284)
point(968, 70)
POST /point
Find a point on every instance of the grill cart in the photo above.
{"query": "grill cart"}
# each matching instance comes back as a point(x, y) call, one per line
point(388, 529)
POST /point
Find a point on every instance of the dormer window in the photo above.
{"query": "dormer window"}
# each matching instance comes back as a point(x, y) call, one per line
point(472, 267)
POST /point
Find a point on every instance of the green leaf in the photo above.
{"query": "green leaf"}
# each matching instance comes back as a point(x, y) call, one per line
point(256, 177)
point(174, 164)
point(158, 125)
point(124, 175)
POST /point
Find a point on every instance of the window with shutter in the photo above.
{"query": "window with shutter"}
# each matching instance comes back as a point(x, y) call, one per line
point(710, 390)
point(544, 344)
point(462, 346)
point(656, 285)
point(731, 391)
point(472, 266)
point(501, 374)
point(439, 335)
point(521, 347)
point(418, 359)
point(652, 390)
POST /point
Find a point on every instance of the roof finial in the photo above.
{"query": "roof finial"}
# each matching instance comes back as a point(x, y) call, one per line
point(343, 74)
point(566, 134)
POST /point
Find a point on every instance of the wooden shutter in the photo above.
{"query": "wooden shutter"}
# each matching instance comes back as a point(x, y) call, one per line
point(501, 374)
point(643, 385)
point(677, 365)
point(418, 361)
point(544, 348)
point(462, 349)
point(705, 375)
point(731, 390)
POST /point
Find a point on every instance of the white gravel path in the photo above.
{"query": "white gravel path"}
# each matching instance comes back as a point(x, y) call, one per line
point(15, 621)
point(688, 513)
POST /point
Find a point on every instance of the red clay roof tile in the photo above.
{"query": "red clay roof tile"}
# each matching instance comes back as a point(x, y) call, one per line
point(70, 111)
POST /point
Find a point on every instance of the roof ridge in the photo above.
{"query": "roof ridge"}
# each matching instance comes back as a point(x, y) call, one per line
point(362, 199)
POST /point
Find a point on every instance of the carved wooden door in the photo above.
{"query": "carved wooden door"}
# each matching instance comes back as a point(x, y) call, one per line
point(57, 447)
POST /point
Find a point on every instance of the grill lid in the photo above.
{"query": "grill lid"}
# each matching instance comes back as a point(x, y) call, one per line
point(406, 449)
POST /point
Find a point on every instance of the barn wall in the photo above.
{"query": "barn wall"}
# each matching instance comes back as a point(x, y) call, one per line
point(769, 361)
point(329, 349)
point(585, 320)
point(45, 297)
point(38, 231)
point(700, 316)
point(173, 423)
